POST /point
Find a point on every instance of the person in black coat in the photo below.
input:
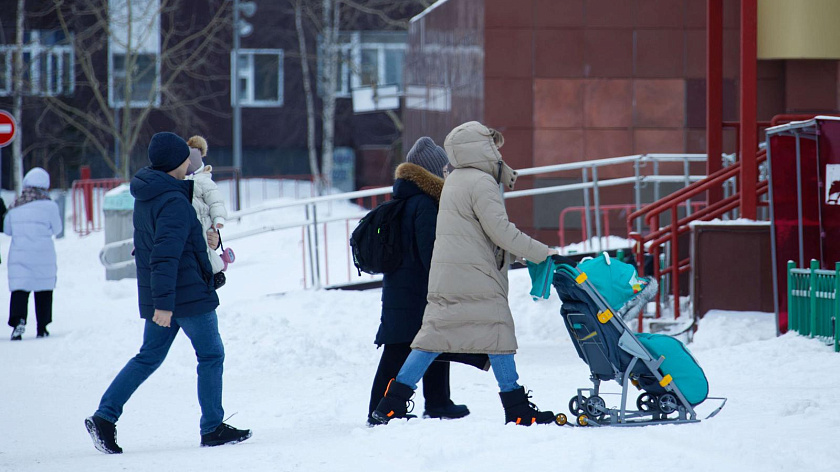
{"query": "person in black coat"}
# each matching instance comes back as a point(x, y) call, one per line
point(419, 181)
point(175, 292)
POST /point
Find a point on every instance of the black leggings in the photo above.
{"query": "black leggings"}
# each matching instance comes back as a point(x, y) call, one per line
point(435, 382)
point(19, 308)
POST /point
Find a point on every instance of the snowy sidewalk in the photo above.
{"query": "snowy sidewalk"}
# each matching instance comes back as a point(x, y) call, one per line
point(298, 372)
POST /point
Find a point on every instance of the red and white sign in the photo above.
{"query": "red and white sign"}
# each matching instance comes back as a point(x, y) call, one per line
point(8, 128)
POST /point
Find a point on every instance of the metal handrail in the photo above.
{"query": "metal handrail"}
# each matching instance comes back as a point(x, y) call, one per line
point(236, 215)
point(658, 236)
point(612, 161)
point(311, 205)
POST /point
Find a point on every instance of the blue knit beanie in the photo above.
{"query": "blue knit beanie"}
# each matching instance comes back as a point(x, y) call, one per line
point(167, 151)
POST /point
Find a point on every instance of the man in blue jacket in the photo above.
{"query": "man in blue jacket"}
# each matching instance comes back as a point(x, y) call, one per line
point(175, 291)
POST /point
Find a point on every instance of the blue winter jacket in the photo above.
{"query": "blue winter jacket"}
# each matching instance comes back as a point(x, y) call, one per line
point(404, 290)
point(173, 271)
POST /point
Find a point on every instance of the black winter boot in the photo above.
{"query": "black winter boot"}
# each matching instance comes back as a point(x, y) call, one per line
point(224, 434)
point(395, 404)
point(104, 435)
point(447, 411)
point(519, 410)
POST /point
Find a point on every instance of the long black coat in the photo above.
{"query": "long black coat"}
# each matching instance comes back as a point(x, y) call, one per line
point(173, 270)
point(404, 290)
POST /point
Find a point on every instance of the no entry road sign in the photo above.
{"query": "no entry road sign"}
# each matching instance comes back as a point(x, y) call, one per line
point(8, 128)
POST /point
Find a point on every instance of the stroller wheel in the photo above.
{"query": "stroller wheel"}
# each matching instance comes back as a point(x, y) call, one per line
point(595, 406)
point(575, 406)
point(667, 403)
point(647, 403)
point(582, 420)
point(561, 419)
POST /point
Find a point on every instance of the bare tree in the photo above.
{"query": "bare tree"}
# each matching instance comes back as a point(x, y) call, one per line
point(332, 14)
point(307, 90)
point(328, 22)
point(17, 96)
point(158, 50)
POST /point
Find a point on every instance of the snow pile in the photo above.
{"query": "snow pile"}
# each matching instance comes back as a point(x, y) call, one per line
point(607, 243)
point(298, 371)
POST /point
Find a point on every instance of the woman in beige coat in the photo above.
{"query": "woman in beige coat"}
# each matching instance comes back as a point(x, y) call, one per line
point(467, 310)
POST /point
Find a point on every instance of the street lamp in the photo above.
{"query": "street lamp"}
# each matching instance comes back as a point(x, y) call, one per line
point(241, 28)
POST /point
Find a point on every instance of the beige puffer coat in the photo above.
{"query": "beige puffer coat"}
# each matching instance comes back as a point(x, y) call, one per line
point(467, 308)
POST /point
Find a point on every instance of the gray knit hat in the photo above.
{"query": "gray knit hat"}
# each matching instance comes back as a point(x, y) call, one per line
point(428, 155)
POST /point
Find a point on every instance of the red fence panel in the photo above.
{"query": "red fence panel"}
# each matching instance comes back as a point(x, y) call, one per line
point(88, 196)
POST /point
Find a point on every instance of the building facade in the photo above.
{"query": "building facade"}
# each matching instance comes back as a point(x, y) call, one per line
point(174, 58)
point(574, 80)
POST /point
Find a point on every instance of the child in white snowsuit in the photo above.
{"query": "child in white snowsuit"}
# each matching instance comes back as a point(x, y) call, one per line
point(207, 199)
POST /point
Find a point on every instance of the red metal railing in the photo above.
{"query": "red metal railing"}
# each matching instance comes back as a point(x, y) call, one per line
point(606, 212)
point(658, 236)
point(88, 196)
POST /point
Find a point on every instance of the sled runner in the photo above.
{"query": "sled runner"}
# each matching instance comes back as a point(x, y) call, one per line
point(596, 295)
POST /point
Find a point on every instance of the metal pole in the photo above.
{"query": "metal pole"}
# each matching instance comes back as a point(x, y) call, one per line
point(597, 206)
point(656, 183)
point(588, 218)
point(117, 140)
point(714, 92)
point(309, 247)
point(234, 91)
point(748, 110)
point(798, 200)
point(687, 183)
point(773, 255)
point(638, 188)
point(317, 256)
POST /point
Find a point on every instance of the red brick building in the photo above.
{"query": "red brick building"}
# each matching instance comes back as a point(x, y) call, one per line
point(574, 80)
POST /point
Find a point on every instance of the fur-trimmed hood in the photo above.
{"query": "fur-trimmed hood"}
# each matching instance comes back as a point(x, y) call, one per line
point(427, 182)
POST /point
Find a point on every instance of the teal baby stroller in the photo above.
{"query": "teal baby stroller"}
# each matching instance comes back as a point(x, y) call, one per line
point(597, 295)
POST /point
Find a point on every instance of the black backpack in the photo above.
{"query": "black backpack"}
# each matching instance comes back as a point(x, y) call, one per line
point(376, 241)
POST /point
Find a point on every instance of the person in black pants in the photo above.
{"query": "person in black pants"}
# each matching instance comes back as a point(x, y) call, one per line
point(419, 181)
point(32, 221)
point(435, 383)
point(19, 310)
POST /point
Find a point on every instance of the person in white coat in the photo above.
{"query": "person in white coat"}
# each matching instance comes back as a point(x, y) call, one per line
point(32, 221)
point(207, 199)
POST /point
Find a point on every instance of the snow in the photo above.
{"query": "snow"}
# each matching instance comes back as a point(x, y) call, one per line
point(606, 243)
point(735, 222)
point(298, 371)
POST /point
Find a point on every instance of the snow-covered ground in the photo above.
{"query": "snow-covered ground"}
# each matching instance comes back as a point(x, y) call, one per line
point(298, 371)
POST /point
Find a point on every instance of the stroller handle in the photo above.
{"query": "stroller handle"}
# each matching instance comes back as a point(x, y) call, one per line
point(563, 260)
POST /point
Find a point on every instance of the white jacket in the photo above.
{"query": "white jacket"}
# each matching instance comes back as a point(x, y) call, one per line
point(207, 199)
point(32, 264)
point(209, 207)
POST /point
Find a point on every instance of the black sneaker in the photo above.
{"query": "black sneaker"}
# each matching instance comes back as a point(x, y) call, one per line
point(104, 435)
point(224, 434)
point(17, 333)
point(42, 333)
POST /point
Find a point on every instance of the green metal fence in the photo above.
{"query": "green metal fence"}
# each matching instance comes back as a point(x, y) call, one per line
point(813, 302)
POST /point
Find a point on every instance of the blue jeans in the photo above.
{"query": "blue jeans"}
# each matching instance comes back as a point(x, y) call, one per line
point(203, 331)
point(504, 368)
